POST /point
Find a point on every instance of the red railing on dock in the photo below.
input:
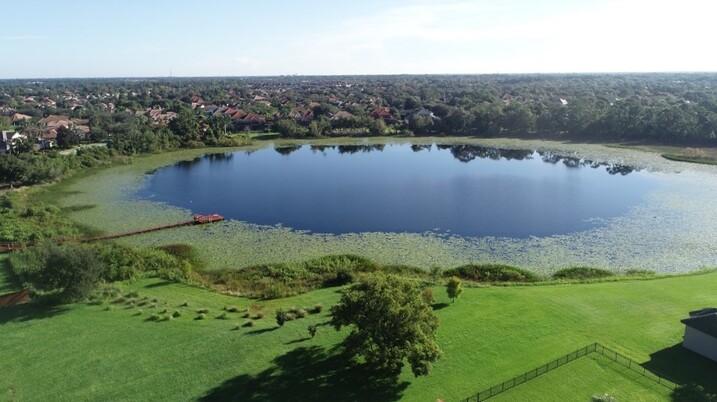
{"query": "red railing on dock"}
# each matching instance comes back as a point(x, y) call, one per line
point(198, 220)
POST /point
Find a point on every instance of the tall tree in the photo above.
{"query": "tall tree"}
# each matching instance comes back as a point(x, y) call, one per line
point(391, 323)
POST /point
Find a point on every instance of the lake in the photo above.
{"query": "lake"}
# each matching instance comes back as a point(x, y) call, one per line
point(465, 190)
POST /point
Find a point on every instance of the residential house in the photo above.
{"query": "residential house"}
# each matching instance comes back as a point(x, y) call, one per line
point(383, 113)
point(18, 118)
point(701, 332)
point(251, 122)
point(423, 112)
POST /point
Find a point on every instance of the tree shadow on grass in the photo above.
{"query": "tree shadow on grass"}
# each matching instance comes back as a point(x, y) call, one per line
point(299, 340)
point(311, 374)
point(34, 310)
point(159, 284)
point(262, 331)
point(440, 306)
point(683, 366)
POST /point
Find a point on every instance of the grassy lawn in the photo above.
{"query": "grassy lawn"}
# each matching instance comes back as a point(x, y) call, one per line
point(488, 335)
point(573, 381)
point(7, 280)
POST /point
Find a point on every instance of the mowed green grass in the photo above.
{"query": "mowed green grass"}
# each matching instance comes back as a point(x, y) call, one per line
point(7, 280)
point(574, 381)
point(83, 352)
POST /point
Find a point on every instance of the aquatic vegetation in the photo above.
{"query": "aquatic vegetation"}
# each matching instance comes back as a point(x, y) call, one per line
point(674, 231)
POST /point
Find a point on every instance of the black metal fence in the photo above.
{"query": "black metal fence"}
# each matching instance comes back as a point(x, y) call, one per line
point(593, 348)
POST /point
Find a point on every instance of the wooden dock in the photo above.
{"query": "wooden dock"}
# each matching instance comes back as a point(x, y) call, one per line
point(197, 220)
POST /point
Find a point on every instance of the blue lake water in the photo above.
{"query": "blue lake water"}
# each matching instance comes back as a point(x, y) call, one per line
point(464, 190)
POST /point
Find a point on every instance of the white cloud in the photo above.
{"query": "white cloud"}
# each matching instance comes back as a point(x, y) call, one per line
point(477, 37)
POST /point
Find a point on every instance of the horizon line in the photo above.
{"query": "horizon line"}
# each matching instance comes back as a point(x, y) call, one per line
point(171, 77)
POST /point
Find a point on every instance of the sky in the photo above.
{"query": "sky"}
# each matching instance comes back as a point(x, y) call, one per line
point(149, 38)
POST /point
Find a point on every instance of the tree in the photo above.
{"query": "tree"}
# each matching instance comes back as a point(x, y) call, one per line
point(68, 137)
point(378, 127)
point(22, 144)
point(289, 128)
point(454, 288)
point(186, 127)
point(73, 271)
point(390, 323)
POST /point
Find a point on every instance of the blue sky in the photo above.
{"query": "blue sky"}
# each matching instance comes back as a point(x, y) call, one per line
point(131, 38)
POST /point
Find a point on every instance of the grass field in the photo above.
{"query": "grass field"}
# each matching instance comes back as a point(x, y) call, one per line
point(488, 335)
point(7, 281)
point(111, 351)
point(596, 372)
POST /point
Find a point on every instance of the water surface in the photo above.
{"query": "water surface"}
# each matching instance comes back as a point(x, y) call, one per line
point(466, 190)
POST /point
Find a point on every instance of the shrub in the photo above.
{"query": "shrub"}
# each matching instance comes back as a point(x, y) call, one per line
point(139, 312)
point(454, 288)
point(435, 271)
point(132, 294)
point(203, 311)
point(167, 318)
point(300, 313)
point(248, 324)
point(154, 317)
point(281, 317)
point(427, 295)
point(201, 316)
point(163, 311)
point(312, 330)
point(232, 309)
point(639, 272)
point(603, 398)
point(177, 314)
point(223, 316)
point(491, 273)
point(316, 309)
point(582, 273)
point(185, 304)
point(259, 315)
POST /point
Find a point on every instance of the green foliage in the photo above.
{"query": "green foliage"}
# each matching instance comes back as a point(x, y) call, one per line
point(280, 280)
point(427, 295)
point(23, 221)
point(289, 128)
point(281, 317)
point(84, 266)
point(639, 272)
point(692, 393)
point(316, 309)
point(454, 288)
point(492, 273)
point(68, 137)
point(72, 272)
point(582, 273)
point(390, 322)
point(185, 252)
point(312, 330)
